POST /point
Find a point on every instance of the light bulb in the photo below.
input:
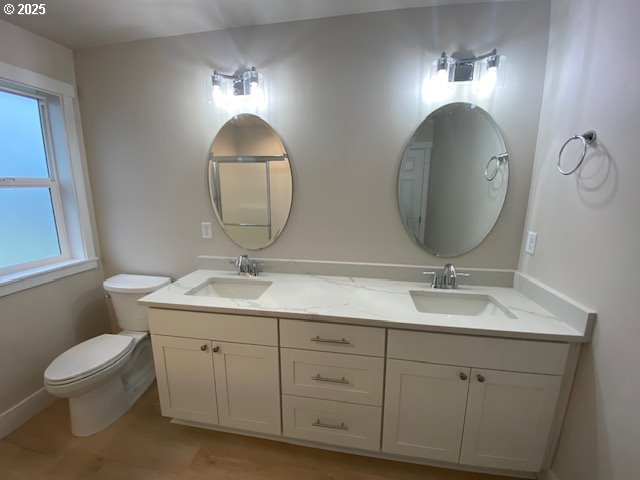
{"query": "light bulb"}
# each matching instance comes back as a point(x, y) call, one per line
point(257, 95)
point(442, 76)
point(488, 82)
point(219, 98)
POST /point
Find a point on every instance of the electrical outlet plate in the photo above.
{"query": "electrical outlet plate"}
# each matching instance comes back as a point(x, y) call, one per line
point(532, 237)
point(207, 231)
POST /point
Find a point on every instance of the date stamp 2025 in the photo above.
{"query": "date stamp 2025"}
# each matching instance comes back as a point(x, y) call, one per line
point(25, 8)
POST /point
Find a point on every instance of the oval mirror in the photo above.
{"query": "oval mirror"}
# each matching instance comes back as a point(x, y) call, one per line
point(250, 181)
point(453, 179)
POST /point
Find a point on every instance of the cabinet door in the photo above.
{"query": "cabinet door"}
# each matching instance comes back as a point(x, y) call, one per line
point(424, 409)
point(509, 416)
point(186, 385)
point(248, 386)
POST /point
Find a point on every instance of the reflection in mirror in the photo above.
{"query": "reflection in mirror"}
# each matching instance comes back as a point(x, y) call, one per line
point(453, 179)
point(250, 181)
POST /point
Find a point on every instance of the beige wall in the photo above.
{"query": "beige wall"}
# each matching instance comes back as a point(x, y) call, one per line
point(588, 226)
point(38, 324)
point(344, 94)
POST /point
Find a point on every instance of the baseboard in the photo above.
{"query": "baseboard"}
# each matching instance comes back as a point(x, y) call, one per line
point(24, 410)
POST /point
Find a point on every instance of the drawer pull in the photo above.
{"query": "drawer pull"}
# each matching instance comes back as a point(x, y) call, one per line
point(481, 378)
point(343, 341)
point(319, 378)
point(318, 423)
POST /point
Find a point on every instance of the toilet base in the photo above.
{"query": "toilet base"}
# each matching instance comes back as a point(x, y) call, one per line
point(102, 406)
point(98, 408)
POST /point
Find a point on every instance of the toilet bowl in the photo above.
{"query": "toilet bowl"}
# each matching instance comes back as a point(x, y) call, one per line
point(104, 376)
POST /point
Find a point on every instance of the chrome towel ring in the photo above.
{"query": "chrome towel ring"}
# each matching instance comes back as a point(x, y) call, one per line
point(499, 159)
point(586, 138)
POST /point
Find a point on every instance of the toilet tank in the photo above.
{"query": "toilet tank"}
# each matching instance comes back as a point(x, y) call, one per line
point(125, 290)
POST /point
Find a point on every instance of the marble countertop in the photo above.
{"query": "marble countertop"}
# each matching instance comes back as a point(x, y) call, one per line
point(366, 301)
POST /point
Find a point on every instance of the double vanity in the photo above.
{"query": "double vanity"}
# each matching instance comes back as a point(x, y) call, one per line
point(336, 356)
point(374, 359)
point(474, 378)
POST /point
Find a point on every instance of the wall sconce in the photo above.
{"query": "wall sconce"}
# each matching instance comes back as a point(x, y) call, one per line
point(487, 71)
point(239, 89)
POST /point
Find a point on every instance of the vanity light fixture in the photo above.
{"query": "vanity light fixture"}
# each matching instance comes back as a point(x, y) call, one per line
point(439, 87)
point(238, 88)
point(487, 71)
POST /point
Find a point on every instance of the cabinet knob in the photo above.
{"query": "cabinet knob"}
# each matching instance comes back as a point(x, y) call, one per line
point(216, 349)
point(463, 376)
point(203, 347)
point(480, 378)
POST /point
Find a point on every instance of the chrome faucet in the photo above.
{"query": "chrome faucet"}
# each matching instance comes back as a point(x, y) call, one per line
point(448, 279)
point(243, 265)
point(249, 268)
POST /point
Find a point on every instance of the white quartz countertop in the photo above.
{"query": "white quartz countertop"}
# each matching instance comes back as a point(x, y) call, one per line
point(366, 301)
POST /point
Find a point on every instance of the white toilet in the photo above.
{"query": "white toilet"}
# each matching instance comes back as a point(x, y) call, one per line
point(104, 376)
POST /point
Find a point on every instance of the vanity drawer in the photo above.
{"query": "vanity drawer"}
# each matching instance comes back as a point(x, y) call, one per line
point(332, 337)
point(332, 376)
point(214, 326)
point(336, 423)
point(480, 352)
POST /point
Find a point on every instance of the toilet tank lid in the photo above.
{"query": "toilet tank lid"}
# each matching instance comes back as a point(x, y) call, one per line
point(127, 283)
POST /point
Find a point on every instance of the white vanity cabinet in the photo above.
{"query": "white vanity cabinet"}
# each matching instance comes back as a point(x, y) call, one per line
point(452, 398)
point(508, 419)
point(332, 383)
point(424, 409)
point(186, 382)
point(247, 386)
point(217, 369)
point(449, 399)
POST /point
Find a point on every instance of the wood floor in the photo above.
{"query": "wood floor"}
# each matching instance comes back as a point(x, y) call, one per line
point(143, 445)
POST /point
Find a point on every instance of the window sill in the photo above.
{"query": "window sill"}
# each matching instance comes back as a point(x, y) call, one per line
point(25, 279)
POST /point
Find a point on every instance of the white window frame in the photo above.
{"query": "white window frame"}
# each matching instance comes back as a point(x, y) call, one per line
point(66, 182)
point(50, 183)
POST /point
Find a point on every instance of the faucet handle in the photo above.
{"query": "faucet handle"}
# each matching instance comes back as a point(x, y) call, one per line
point(256, 268)
point(434, 280)
point(458, 275)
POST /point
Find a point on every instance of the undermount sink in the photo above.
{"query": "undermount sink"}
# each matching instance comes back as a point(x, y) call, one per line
point(241, 288)
point(455, 303)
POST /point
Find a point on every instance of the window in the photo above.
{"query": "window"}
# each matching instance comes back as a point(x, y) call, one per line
point(44, 222)
point(30, 208)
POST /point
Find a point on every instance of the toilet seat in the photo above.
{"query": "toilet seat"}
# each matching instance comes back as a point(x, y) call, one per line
point(88, 358)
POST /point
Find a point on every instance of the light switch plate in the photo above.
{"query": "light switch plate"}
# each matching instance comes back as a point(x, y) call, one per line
point(532, 237)
point(207, 231)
